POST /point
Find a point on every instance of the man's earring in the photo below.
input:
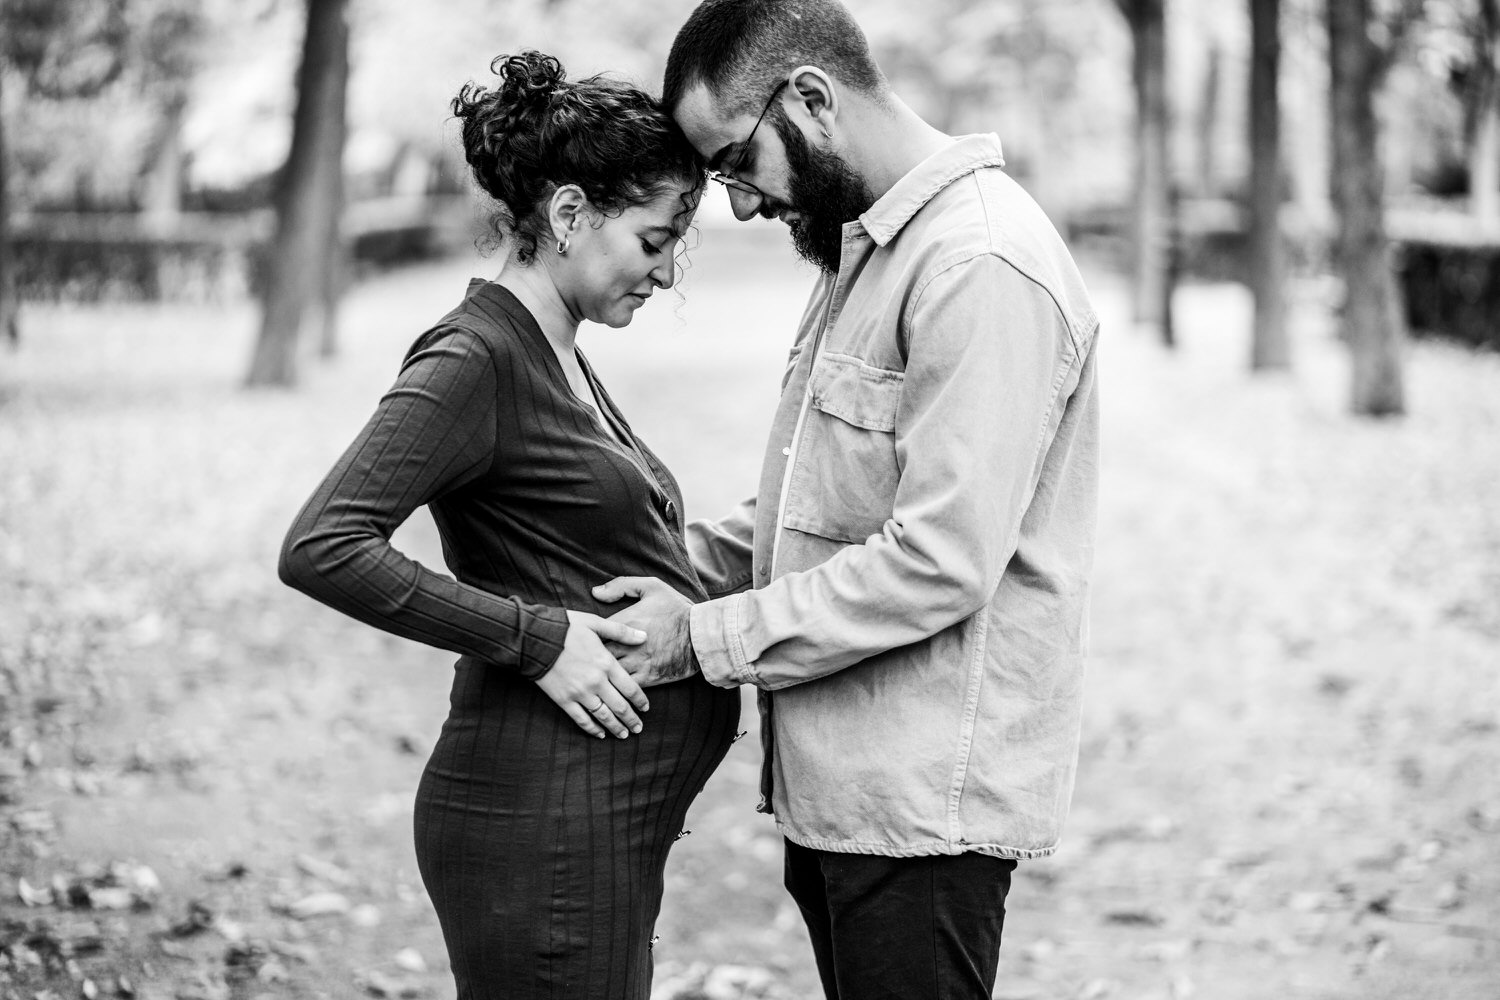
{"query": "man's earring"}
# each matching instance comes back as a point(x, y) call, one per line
point(827, 134)
point(562, 247)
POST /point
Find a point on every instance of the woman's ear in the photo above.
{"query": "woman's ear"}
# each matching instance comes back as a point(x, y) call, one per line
point(812, 95)
point(565, 211)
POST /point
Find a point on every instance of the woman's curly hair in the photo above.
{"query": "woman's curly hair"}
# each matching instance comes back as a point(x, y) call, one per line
point(538, 131)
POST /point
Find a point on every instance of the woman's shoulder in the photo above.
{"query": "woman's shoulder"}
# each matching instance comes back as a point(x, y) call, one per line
point(484, 323)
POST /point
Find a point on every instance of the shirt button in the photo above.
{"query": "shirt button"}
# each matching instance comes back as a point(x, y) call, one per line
point(787, 452)
point(670, 510)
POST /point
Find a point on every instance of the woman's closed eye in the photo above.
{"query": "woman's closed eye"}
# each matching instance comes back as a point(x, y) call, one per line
point(651, 248)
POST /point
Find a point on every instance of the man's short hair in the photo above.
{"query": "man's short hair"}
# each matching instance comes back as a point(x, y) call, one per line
point(739, 49)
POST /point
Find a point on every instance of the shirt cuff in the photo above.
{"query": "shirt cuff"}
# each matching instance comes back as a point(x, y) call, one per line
point(714, 629)
point(542, 635)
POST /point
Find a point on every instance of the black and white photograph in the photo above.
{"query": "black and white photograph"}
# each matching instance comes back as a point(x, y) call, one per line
point(749, 500)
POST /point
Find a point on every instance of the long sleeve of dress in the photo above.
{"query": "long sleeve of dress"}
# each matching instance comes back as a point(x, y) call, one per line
point(432, 433)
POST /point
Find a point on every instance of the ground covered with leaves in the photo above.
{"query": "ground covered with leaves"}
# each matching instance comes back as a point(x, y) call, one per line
point(1290, 773)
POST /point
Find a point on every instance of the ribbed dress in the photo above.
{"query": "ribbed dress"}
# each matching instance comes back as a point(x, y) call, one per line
point(541, 847)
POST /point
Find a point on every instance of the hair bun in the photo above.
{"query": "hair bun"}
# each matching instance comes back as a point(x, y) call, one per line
point(536, 130)
point(491, 118)
point(528, 80)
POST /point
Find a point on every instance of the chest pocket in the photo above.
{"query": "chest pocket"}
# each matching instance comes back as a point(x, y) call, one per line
point(843, 482)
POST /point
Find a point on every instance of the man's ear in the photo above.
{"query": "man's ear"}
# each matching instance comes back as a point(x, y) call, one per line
point(810, 94)
point(565, 210)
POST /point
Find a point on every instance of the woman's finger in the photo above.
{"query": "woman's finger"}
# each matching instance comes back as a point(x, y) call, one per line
point(605, 716)
point(621, 709)
point(627, 686)
point(609, 629)
point(585, 722)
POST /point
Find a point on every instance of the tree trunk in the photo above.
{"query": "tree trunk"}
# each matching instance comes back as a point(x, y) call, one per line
point(1484, 163)
point(1151, 223)
point(10, 304)
point(1269, 346)
point(161, 193)
point(1484, 150)
point(331, 284)
point(1372, 322)
point(1208, 122)
point(308, 198)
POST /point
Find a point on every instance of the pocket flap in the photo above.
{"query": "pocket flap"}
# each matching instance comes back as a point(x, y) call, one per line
point(856, 393)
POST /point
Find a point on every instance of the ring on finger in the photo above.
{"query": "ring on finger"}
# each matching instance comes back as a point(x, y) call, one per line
point(596, 708)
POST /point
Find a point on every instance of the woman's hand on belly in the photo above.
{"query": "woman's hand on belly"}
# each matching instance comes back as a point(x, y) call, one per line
point(662, 613)
point(589, 684)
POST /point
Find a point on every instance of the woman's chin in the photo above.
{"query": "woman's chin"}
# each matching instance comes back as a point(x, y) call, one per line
point(621, 314)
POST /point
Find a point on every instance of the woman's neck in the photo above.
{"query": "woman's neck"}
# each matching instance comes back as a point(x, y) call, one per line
point(534, 287)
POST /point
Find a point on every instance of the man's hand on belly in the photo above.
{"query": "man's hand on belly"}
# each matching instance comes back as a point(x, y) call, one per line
point(660, 612)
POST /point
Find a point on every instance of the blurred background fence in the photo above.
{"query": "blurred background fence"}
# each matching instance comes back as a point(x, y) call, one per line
point(150, 146)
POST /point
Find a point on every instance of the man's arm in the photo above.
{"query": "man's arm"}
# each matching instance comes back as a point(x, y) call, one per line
point(989, 371)
point(721, 550)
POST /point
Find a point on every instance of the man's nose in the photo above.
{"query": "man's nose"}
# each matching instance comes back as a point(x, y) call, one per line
point(744, 203)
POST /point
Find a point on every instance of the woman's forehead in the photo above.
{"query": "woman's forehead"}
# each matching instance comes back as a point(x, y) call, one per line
point(668, 207)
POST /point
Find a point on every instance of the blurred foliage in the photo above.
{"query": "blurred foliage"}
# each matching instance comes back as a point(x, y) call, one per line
point(1052, 77)
point(64, 49)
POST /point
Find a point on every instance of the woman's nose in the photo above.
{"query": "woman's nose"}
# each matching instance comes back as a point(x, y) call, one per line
point(664, 275)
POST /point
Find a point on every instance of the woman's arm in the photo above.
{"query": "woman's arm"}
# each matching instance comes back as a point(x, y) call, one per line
point(432, 433)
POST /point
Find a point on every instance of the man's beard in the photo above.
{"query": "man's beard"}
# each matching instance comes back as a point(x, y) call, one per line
point(825, 191)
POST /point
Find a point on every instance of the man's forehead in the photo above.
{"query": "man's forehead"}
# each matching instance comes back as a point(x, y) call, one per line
point(705, 123)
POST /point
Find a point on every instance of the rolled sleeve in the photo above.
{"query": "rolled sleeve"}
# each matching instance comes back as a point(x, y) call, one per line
point(714, 630)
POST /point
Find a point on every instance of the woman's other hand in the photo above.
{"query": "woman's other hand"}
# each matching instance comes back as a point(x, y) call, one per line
point(589, 684)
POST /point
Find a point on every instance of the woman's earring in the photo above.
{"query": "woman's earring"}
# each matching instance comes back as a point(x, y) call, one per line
point(562, 247)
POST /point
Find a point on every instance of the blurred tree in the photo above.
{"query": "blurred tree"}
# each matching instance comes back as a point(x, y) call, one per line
point(57, 49)
point(1372, 322)
point(1269, 347)
point(304, 257)
point(10, 306)
point(1153, 222)
point(1478, 82)
point(1207, 119)
point(166, 45)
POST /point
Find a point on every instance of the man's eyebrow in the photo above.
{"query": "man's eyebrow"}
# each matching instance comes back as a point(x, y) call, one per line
point(718, 158)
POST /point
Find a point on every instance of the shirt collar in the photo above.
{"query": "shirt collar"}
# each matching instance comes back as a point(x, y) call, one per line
point(961, 157)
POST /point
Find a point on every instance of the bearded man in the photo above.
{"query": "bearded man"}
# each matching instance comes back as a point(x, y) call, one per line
point(908, 589)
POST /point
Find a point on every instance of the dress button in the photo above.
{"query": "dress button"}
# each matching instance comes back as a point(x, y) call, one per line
point(787, 452)
point(670, 510)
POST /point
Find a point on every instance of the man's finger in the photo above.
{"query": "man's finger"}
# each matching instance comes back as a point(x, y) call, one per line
point(620, 588)
point(613, 631)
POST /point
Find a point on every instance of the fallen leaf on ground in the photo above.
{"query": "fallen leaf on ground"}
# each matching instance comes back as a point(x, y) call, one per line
point(1134, 918)
point(319, 904)
point(324, 871)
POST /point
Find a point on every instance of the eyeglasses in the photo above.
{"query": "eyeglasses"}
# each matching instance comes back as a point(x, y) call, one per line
point(726, 176)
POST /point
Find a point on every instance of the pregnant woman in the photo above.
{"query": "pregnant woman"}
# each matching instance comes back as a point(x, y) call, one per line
point(541, 838)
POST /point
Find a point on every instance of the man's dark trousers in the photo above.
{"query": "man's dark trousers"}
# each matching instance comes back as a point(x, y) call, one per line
point(924, 928)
